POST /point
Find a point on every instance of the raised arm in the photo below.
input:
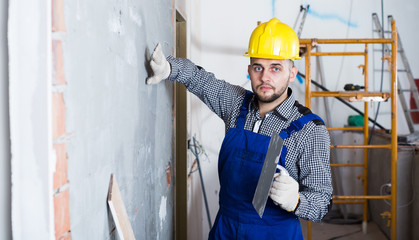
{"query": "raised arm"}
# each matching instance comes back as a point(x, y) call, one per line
point(218, 95)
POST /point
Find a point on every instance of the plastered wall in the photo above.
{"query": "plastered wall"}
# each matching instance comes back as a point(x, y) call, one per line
point(29, 64)
point(114, 123)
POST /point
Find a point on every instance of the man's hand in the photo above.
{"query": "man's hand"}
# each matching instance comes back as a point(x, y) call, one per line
point(284, 192)
point(159, 65)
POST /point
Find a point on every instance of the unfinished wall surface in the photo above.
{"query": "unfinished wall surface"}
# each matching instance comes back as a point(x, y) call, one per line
point(115, 123)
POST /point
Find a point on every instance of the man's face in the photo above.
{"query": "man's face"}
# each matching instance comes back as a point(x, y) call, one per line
point(270, 78)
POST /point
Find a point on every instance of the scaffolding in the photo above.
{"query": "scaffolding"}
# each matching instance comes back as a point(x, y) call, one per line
point(366, 97)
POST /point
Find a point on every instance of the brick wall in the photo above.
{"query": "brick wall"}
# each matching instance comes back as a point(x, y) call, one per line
point(60, 180)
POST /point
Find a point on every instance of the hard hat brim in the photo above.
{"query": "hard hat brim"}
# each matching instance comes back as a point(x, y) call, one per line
point(268, 56)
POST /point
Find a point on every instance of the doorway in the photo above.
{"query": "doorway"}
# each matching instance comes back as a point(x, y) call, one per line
point(181, 141)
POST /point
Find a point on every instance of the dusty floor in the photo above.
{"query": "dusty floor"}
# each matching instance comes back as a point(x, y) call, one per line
point(326, 231)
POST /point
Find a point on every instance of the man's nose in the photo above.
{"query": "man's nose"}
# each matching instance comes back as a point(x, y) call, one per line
point(265, 76)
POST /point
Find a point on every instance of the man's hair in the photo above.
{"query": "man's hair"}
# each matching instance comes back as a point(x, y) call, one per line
point(291, 63)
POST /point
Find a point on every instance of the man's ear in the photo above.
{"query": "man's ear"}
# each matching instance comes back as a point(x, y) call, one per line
point(293, 74)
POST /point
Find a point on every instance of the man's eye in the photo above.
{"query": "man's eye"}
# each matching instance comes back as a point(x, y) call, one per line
point(275, 69)
point(258, 69)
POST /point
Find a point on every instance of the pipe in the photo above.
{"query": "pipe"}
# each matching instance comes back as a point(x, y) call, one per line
point(202, 183)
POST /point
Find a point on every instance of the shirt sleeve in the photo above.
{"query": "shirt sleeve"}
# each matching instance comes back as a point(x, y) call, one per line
point(315, 177)
point(218, 95)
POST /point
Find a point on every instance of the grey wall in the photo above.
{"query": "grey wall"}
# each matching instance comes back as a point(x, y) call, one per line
point(5, 206)
point(116, 123)
point(407, 186)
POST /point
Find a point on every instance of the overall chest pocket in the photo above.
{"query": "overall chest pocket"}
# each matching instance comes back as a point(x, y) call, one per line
point(241, 172)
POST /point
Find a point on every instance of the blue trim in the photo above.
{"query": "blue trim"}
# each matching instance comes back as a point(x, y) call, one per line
point(273, 8)
point(299, 78)
point(331, 16)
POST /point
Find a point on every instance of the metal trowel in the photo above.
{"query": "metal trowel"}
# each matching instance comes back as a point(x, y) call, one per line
point(267, 174)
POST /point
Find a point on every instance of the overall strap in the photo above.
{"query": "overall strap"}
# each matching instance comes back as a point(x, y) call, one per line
point(244, 110)
point(298, 124)
point(295, 126)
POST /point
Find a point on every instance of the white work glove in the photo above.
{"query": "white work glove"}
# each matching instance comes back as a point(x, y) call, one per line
point(159, 65)
point(284, 192)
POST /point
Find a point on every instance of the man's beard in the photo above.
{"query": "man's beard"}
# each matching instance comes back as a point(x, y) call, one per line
point(273, 97)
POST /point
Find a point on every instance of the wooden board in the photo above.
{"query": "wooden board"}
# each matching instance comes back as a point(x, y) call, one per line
point(119, 213)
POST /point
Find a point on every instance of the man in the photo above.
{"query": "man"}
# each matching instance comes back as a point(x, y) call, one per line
point(250, 119)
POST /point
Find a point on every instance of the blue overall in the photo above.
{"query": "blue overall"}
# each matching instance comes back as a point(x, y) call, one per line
point(240, 163)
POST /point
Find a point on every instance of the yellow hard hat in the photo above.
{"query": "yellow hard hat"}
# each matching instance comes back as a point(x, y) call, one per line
point(274, 40)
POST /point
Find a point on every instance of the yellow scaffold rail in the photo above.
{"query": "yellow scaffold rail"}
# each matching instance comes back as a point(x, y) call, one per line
point(366, 97)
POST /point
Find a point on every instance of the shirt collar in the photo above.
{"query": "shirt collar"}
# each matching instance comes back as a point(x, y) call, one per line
point(283, 111)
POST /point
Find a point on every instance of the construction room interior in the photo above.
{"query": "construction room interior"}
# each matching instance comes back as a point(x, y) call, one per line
point(89, 150)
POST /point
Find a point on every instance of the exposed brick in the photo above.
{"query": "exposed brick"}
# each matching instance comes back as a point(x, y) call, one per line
point(62, 213)
point(58, 115)
point(60, 174)
point(168, 173)
point(58, 21)
point(58, 77)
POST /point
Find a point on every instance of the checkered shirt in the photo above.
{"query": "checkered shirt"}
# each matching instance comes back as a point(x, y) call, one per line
point(307, 158)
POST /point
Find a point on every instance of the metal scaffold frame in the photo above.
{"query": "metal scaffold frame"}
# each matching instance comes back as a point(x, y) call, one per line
point(366, 97)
